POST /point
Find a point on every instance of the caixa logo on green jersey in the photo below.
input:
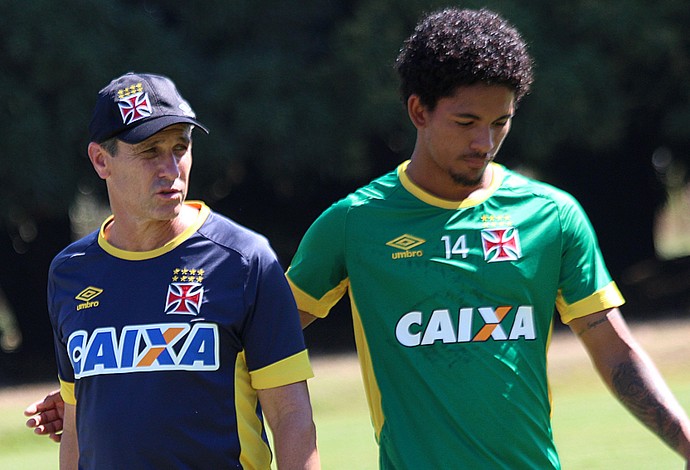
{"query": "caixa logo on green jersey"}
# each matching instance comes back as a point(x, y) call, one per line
point(467, 325)
point(144, 348)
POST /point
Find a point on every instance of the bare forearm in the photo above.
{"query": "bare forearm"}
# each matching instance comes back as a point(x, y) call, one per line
point(637, 385)
point(288, 412)
point(69, 444)
point(633, 378)
point(69, 455)
point(295, 444)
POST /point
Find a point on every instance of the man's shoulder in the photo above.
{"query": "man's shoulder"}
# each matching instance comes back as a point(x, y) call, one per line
point(520, 183)
point(377, 193)
point(232, 235)
point(379, 189)
point(77, 249)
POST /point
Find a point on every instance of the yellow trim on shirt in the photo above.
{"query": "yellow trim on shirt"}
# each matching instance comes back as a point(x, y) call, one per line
point(607, 297)
point(204, 211)
point(295, 368)
point(318, 307)
point(371, 387)
point(254, 453)
point(497, 175)
point(67, 392)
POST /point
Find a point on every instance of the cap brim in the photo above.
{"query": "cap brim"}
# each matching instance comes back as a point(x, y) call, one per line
point(146, 129)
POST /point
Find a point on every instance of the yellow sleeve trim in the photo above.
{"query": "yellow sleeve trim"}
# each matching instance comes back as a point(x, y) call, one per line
point(318, 307)
point(603, 299)
point(67, 392)
point(295, 368)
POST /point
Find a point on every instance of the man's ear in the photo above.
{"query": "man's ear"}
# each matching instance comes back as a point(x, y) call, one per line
point(99, 159)
point(417, 111)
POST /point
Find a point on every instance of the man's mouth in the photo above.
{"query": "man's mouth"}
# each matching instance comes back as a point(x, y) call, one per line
point(171, 192)
point(477, 159)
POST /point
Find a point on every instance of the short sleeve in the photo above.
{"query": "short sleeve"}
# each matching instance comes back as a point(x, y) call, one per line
point(585, 285)
point(318, 272)
point(272, 336)
point(65, 368)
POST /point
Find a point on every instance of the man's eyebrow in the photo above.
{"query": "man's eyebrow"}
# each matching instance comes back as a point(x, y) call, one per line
point(141, 146)
point(186, 139)
point(466, 115)
point(474, 116)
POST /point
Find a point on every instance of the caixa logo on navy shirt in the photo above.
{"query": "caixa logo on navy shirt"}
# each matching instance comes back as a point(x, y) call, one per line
point(144, 348)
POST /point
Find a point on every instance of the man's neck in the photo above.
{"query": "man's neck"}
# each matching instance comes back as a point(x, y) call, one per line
point(129, 235)
point(443, 187)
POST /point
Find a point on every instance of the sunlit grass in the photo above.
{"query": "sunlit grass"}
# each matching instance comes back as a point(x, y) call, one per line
point(19, 447)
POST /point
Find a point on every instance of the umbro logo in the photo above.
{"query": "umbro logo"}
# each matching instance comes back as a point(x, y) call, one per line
point(406, 244)
point(86, 297)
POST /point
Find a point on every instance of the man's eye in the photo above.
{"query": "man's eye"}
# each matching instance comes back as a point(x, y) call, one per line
point(149, 153)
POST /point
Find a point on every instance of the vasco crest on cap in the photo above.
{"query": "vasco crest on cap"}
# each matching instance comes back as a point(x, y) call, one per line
point(133, 103)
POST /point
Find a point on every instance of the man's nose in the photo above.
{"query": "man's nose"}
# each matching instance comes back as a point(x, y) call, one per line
point(483, 139)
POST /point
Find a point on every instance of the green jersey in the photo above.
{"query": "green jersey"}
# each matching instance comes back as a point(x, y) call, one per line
point(453, 306)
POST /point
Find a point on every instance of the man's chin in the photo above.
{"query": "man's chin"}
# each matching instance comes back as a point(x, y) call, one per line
point(468, 181)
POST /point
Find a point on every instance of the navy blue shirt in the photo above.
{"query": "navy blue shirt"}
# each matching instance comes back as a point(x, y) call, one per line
point(163, 351)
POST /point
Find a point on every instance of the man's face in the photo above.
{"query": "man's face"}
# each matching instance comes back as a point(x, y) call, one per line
point(464, 132)
point(148, 181)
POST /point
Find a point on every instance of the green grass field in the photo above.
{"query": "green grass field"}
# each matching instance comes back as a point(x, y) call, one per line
point(592, 430)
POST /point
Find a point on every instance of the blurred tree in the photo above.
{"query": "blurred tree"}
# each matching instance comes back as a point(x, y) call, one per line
point(611, 89)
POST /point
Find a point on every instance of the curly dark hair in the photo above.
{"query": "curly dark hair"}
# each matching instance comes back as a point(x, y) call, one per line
point(453, 47)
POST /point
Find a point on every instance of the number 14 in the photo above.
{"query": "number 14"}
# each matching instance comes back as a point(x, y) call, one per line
point(459, 248)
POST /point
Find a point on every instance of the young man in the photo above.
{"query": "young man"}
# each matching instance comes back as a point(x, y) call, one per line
point(174, 327)
point(454, 264)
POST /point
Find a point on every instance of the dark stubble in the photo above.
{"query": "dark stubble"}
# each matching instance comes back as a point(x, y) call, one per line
point(470, 181)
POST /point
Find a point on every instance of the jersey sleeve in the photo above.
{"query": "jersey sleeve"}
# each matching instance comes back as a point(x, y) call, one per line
point(585, 285)
point(65, 368)
point(318, 274)
point(272, 338)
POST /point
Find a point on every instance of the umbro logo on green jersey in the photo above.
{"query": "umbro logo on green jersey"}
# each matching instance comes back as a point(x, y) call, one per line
point(405, 243)
point(86, 297)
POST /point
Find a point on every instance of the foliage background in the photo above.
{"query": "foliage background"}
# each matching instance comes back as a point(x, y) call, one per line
point(302, 104)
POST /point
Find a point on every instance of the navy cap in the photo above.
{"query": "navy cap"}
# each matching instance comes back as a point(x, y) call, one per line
point(135, 106)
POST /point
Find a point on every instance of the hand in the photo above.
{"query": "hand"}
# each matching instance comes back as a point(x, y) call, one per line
point(46, 416)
